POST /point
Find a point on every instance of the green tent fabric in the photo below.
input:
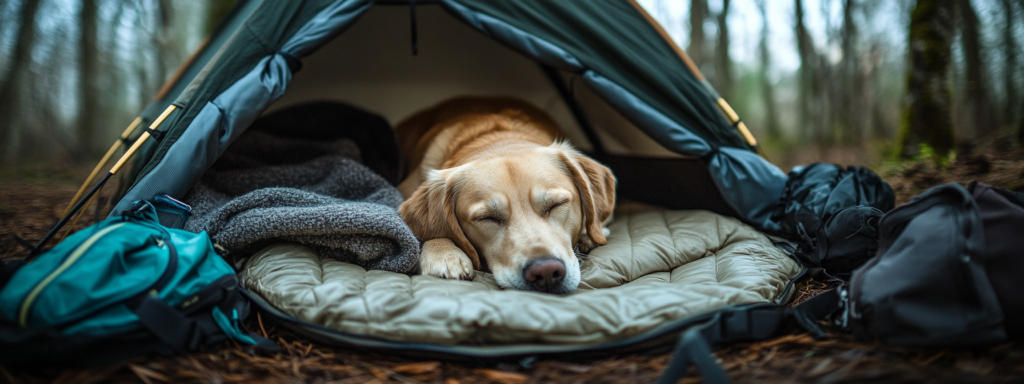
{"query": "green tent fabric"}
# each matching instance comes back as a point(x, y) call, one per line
point(615, 40)
point(611, 45)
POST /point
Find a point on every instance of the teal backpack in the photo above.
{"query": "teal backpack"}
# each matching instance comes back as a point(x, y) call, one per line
point(124, 287)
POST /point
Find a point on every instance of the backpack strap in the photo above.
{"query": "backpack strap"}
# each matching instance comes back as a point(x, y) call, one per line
point(188, 331)
point(752, 323)
point(169, 325)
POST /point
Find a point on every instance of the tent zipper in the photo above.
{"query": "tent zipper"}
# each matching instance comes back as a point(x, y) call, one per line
point(27, 304)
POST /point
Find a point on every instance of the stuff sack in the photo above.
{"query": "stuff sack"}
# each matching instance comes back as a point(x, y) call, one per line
point(845, 240)
point(123, 287)
point(817, 202)
point(948, 271)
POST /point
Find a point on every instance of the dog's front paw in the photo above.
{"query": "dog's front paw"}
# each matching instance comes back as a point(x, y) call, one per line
point(442, 258)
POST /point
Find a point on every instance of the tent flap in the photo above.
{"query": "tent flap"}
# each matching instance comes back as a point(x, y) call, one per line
point(663, 129)
point(516, 38)
point(327, 24)
point(752, 185)
point(212, 130)
point(614, 40)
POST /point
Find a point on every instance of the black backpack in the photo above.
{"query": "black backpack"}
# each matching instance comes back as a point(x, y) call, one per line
point(949, 272)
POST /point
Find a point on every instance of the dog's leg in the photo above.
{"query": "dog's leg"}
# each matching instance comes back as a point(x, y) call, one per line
point(442, 258)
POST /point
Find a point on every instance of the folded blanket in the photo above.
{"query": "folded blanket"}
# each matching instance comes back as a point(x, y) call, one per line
point(266, 189)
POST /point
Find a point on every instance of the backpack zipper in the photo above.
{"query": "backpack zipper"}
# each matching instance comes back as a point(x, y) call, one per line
point(161, 282)
point(23, 315)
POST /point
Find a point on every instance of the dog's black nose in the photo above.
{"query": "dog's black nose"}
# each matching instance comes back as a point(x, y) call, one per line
point(544, 274)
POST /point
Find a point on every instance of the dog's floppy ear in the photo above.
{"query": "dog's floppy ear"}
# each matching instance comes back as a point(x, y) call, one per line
point(430, 212)
point(596, 186)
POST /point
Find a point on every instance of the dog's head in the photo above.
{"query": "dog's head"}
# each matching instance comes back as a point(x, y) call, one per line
point(519, 213)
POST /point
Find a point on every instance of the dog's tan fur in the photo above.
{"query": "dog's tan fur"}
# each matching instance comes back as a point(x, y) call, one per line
point(491, 185)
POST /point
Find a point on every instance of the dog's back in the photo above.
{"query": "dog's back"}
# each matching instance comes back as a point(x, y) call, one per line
point(475, 115)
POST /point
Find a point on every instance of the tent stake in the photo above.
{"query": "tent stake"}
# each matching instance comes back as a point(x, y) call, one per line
point(88, 197)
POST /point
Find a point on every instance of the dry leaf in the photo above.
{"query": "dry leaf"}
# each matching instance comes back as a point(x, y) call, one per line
point(417, 368)
point(379, 373)
point(504, 377)
point(145, 374)
point(570, 367)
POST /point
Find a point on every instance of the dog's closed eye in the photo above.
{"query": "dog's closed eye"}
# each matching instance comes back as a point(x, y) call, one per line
point(552, 207)
point(489, 218)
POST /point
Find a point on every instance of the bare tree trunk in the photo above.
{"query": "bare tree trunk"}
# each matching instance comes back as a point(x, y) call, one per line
point(927, 117)
point(808, 69)
point(1020, 129)
point(851, 97)
point(698, 12)
point(975, 82)
point(1010, 65)
point(723, 73)
point(20, 61)
point(161, 42)
point(767, 91)
point(89, 69)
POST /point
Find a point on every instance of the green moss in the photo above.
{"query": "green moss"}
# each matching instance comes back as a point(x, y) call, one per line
point(927, 117)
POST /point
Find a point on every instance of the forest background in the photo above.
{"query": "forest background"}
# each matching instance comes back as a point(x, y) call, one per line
point(816, 80)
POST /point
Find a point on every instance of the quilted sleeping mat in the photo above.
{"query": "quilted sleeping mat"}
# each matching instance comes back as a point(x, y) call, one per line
point(658, 266)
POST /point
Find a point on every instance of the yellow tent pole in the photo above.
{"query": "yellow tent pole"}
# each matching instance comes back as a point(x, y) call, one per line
point(81, 204)
point(142, 139)
point(102, 163)
point(724, 107)
point(735, 120)
point(138, 143)
point(75, 221)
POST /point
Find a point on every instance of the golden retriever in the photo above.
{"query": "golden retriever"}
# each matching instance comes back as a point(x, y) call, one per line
point(491, 185)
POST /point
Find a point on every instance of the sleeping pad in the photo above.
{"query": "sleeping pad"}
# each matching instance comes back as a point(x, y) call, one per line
point(658, 266)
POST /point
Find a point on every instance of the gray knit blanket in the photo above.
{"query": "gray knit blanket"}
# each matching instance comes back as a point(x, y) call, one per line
point(267, 189)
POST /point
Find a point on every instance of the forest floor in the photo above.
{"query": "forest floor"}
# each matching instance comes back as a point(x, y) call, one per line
point(30, 202)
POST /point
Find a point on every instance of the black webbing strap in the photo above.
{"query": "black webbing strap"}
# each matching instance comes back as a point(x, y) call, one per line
point(693, 348)
point(185, 333)
point(155, 134)
point(168, 324)
point(744, 324)
point(808, 313)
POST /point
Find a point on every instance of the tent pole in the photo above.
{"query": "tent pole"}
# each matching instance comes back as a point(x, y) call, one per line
point(74, 222)
point(735, 120)
point(723, 107)
point(88, 197)
point(103, 163)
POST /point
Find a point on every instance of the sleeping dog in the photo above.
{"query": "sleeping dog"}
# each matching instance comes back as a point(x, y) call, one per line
point(491, 185)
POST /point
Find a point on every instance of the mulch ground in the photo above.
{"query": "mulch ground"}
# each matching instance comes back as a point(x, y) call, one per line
point(29, 207)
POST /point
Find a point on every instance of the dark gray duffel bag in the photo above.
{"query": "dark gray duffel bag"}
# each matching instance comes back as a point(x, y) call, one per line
point(949, 271)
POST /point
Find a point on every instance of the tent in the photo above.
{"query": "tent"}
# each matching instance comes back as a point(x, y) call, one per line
point(606, 71)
